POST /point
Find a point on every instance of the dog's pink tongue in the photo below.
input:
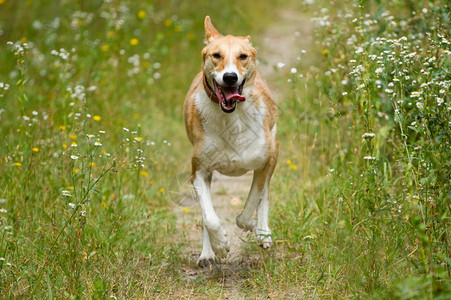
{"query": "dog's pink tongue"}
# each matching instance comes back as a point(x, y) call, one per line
point(231, 93)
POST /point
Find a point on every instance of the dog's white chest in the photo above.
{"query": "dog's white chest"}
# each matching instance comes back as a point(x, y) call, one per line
point(234, 143)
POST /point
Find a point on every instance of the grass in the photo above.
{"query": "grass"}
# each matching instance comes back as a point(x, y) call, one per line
point(91, 111)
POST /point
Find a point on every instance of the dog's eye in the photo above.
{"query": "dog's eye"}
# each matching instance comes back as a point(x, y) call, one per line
point(217, 55)
point(243, 56)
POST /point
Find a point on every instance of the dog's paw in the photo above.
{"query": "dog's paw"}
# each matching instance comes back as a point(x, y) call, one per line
point(247, 224)
point(264, 238)
point(204, 261)
point(219, 243)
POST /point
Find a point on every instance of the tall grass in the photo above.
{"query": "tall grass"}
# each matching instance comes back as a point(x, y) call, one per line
point(91, 97)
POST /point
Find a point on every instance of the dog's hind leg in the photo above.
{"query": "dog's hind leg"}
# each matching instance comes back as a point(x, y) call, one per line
point(214, 238)
point(258, 197)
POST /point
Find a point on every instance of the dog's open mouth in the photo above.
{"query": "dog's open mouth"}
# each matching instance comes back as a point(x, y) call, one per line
point(229, 96)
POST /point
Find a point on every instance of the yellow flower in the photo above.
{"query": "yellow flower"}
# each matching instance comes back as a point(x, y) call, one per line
point(35, 149)
point(161, 190)
point(168, 23)
point(23, 39)
point(110, 34)
point(135, 116)
point(62, 127)
point(134, 41)
point(97, 118)
point(92, 164)
point(288, 162)
point(17, 164)
point(178, 28)
point(324, 52)
point(73, 137)
point(144, 173)
point(73, 144)
point(141, 14)
point(71, 187)
point(104, 204)
point(293, 167)
point(105, 48)
point(185, 209)
point(138, 139)
point(152, 182)
point(2, 1)
point(191, 36)
point(64, 146)
point(75, 171)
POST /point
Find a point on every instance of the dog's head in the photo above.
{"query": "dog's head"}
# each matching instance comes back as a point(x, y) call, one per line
point(229, 65)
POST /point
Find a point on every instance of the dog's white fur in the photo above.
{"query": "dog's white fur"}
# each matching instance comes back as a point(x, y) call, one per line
point(231, 143)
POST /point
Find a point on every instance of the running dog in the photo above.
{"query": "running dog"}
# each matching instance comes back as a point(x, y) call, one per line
point(230, 118)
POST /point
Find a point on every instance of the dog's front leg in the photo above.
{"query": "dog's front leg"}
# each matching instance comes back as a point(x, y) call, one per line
point(258, 197)
point(214, 238)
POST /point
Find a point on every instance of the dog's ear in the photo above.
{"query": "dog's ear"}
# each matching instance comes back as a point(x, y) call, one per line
point(211, 33)
point(248, 37)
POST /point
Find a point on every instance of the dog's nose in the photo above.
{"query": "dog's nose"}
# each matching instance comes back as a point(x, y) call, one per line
point(230, 78)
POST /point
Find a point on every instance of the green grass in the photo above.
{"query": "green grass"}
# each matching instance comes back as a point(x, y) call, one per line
point(85, 171)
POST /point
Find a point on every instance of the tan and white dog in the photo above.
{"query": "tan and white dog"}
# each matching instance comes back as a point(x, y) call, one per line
point(230, 118)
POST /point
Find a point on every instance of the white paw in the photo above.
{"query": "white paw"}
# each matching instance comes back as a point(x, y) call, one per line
point(218, 240)
point(264, 237)
point(204, 261)
point(220, 244)
point(247, 224)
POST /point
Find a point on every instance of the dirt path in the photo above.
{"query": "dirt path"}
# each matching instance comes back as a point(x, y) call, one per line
point(281, 43)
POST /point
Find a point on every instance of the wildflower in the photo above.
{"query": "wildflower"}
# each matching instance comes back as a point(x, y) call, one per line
point(35, 149)
point(64, 146)
point(73, 137)
point(75, 171)
point(144, 173)
point(378, 71)
point(389, 91)
point(74, 157)
point(280, 65)
point(97, 144)
point(324, 52)
point(369, 157)
point(92, 164)
point(152, 182)
point(101, 131)
point(17, 164)
point(420, 105)
point(73, 144)
point(161, 190)
point(105, 47)
point(442, 91)
point(185, 209)
point(439, 101)
point(66, 193)
point(72, 205)
point(344, 93)
point(134, 41)
point(293, 70)
point(168, 23)
point(97, 118)
point(141, 14)
point(3, 211)
point(415, 94)
point(90, 136)
point(340, 199)
point(2, 258)
point(138, 139)
point(368, 135)
point(293, 167)
point(125, 129)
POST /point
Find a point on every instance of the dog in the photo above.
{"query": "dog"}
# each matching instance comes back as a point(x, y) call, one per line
point(230, 119)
